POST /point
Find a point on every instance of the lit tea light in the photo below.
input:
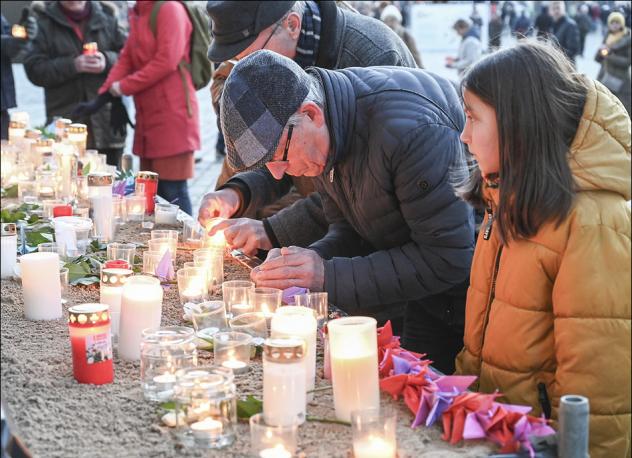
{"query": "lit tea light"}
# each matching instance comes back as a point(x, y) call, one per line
point(217, 240)
point(235, 365)
point(206, 429)
point(239, 309)
point(373, 447)
point(18, 31)
point(278, 451)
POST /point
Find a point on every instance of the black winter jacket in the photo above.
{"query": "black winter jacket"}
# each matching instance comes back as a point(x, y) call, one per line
point(386, 190)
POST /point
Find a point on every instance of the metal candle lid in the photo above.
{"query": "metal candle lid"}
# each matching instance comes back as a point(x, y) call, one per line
point(77, 128)
point(17, 125)
point(44, 142)
point(284, 350)
point(33, 133)
point(62, 123)
point(8, 229)
point(89, 314)
point(100, 179)
point(115, 277)
point(146, 175)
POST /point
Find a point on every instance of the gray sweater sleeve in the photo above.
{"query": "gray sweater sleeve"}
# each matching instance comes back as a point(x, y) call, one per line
point(300, 224)
point(261, 189)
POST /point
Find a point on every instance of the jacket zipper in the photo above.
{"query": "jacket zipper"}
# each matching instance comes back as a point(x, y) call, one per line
point(492, 289)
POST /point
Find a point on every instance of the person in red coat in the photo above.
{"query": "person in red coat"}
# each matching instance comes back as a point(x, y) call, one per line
point(167, 117)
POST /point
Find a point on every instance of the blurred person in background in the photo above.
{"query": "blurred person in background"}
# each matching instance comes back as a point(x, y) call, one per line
point(167, 117)
point(470, 48)
point(544, 23)
point(69, 77)
point(584, 23)
point(392, 17)
point(565, 30)
point(615, 56)
point(11, 47)
point(522, 27)
point(494, 32)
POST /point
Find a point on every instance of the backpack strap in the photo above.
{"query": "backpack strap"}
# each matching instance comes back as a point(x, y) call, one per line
point(183, 66)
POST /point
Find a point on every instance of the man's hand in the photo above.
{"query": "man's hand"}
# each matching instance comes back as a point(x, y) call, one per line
point(223, 203)
point(291, 266)
point(245, 234)
point(94, 63)
point(115, 89)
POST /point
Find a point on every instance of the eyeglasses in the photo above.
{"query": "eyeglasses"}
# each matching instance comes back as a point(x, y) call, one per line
point(265, 43)
point(286, 149)
point(278, 168)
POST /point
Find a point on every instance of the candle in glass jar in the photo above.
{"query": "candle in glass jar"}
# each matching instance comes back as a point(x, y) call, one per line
point(373, 447)
point(90, 48)
point(141, 308)
point(206, 429)
point(89, 328)
point(8, 251)
point(278, 451)
point(41, 286)
point(354, 370)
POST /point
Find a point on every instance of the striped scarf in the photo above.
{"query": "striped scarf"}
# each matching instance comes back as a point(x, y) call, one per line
point(307, 46)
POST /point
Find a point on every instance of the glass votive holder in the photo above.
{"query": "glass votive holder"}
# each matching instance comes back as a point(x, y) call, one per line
point(48, 205)
point(121, 252)
point(135, 206)
point(272, 441)
point(213, 261)
point(232, 351)
point(52, 247)
point(192, 234)
point(253, 323)
point(374, 432)
point(151, 259)
point(265, 300)
point(63, 281)
point(206, 407)
point(217, 240)
point(192, 285)
point(46, 183)
point(26, 189)
point(164, 244)
point(317, 302)
point(163, 351)
point(164, 234)
point(166, 213)
point(119, 209)
point(209, 317)
point(235, 294)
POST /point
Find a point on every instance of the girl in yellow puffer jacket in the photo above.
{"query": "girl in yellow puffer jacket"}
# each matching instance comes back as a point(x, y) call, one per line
point(548, 308)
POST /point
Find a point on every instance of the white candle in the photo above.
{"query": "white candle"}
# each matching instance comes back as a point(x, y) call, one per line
point(103, 217)
point(238, 309)
point(278, 451)
point(206, 429)
point(41, 286)
point(235, 365)
point(111, 295)
point(8, 254)
point(141, 308)
point(68, 168)
point(373, 447)
point(164, 383)
point(166, 214)
point(353, 354)
point(300, 322)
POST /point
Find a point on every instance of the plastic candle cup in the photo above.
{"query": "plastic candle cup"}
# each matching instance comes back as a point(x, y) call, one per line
point(192, 285)
point(269, 441)
point(354, 365)
point(141, 308)
point(111, 293)
point(89, 327)
point(209, 315)
point(232, 351)
point(151, 259)
point(164, 234)
point(164, 351)
point(164, 244)
point(121, 251)
point(266, 301)
point(217, 240)
point(192, 234)
point(135, 206)
point(374, 433)
point(213, 261)
point(166, 214)
point(317, 302)
point(253, 323)
point(235, 294)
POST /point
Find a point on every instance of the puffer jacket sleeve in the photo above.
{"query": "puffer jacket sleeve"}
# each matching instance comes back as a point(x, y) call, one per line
point(172, 35)
point(41, 69)
point(439, 254)
point(591, 305)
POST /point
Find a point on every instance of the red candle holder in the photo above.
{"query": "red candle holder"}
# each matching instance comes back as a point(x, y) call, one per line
point(148, 182)
point(89, 328)
point(91, 48)
point(62, 210)
point(116, 264)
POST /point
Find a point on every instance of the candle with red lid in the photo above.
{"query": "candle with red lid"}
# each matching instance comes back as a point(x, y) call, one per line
point(62, 210)
point(147, 184)
point(89, 327)
point(91, 48)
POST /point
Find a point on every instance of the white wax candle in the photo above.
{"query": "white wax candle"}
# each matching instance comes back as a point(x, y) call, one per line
point(166, 216)
point(238, 309)
point(235, 365)
point(41, 286)
point(111, 295)
point(284, 393)
point(278, 451)
point(373, 447)
point(103, 217)
point(287, 323)
point(141, 308)
point(68, 160)
point(8, 254)
point(206, 429)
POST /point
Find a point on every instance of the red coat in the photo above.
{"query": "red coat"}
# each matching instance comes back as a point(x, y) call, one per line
point(148, 69)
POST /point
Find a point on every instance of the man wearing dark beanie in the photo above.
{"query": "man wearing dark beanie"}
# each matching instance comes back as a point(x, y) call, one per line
point(382, 145)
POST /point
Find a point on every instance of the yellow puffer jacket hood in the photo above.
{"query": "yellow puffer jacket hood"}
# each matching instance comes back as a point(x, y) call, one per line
point(550, 315)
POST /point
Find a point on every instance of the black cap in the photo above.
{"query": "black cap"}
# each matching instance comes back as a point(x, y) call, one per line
point(235, 25)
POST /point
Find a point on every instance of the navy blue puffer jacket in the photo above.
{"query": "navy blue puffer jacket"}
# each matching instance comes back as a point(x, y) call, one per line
point(397, 232)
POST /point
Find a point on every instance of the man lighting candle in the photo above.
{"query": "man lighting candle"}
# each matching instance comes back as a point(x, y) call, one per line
point(383, 147)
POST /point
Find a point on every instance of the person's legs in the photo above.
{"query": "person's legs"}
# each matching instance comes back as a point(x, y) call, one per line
point(113, 155)
point(5, 118)
point(177, 192)
point(435, 326)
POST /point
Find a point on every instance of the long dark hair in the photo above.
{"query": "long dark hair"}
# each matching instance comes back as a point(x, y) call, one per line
point(539, 100)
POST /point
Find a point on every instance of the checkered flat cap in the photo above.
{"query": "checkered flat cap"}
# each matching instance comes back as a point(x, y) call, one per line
point(261, 93)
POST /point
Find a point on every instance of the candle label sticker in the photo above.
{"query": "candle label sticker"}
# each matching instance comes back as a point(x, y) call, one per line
point(98, 348)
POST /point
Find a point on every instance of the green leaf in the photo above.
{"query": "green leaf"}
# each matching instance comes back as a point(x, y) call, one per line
point(86, 169)
point(168, 405)
point(85, 281)
point(249, 407)
point(34, 238)
point(326, 420)
point(11, 191)
point(78, 271)
point(96, 246)
point(33, 219)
